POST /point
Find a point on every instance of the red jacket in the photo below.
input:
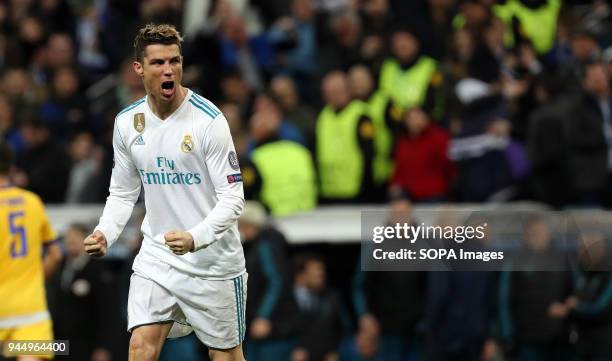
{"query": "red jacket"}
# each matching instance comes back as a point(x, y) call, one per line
point(422, 166)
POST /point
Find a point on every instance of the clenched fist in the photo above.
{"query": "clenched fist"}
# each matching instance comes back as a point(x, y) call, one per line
point(95, 244)
point(179, 242)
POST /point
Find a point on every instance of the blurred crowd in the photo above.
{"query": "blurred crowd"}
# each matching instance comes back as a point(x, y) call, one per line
point(302, 307)
point(330, 101)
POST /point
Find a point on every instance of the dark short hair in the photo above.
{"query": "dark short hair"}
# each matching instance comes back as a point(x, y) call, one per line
point(6, 158)
point(164, 34)
point(301, 261)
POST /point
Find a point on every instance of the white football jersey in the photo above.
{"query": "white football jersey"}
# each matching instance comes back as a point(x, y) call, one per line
point(189, 170)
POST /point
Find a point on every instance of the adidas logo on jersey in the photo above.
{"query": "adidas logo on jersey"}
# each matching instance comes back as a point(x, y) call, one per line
point(140, 140)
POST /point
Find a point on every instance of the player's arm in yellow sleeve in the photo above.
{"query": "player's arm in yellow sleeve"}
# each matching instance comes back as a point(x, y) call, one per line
point(53, 252)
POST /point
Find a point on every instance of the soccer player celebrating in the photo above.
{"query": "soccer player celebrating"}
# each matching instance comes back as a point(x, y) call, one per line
point(190, 272)
point(24, 231)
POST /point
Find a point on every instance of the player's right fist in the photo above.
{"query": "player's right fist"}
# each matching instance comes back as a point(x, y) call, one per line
point(95, 244)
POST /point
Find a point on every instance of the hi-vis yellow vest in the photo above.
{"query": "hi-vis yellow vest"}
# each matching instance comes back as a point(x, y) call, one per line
point(339, 156)
point(383, 139)
point(407, 88)
point(288, 177)
point(539, 25)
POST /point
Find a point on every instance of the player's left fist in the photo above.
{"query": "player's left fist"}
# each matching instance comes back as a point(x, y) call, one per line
point(179, 242)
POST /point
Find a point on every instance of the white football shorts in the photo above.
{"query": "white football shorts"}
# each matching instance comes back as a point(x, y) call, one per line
point(213, 309)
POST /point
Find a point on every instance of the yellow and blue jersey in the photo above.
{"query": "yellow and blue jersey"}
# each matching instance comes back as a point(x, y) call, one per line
point(24, 229)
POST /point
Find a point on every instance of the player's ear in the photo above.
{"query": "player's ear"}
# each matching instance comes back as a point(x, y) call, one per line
point(138, 68)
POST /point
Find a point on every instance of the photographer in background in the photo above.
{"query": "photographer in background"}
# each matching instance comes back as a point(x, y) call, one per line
point(84, 303)
point(269, 312)
point(590, 308)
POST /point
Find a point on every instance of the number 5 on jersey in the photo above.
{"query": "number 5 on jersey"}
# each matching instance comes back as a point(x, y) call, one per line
point(19, 243)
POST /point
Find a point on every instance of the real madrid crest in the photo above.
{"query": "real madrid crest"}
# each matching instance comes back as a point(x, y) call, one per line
point(139, 122)
point(187, 144)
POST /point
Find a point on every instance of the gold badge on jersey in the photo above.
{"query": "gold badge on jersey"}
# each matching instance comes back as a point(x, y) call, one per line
point(187, 144)
point(139, 122)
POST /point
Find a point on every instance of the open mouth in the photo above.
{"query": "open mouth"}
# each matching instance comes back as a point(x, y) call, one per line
point(168, 89)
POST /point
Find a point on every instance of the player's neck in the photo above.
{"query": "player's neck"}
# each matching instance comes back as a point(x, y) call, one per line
point(164, 109)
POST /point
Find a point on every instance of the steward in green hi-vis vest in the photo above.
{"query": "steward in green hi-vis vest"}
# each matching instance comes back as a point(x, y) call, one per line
point(407, 88)
point(379, 106)
point(344, 151)
point(287, 177)
point(538, 24)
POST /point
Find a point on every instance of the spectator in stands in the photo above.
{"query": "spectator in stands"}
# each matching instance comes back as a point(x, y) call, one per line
point(21, 48)
point(489, 54)
point(84, 174)
point(519, 88)
point(271, 309)
point(422, 167)
point(408, 76)
point(66, 111)
point(385, 117)
point(9, 130)
point(90, 54)
point(456, 67)
point(322, 319)
point(59, 52)
point(250, 56)
point(56, 15)
point(294, 40)
point(588, 122)
point(377, 18)
point(472, 15)
point(590, 308)
point(434, 26)
point(44, 165)
point(297, 112)
point(236, 90)
point(345, 144)
point(83, 302)
point(280, 172)
point(479, 149)
point(268, 103)
point(24, 95)
point(584, 47)
point(548, 143)
point(339, 38)
point(597, 18)
point(527, 298)
point(584, 50)
point(390, 304)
